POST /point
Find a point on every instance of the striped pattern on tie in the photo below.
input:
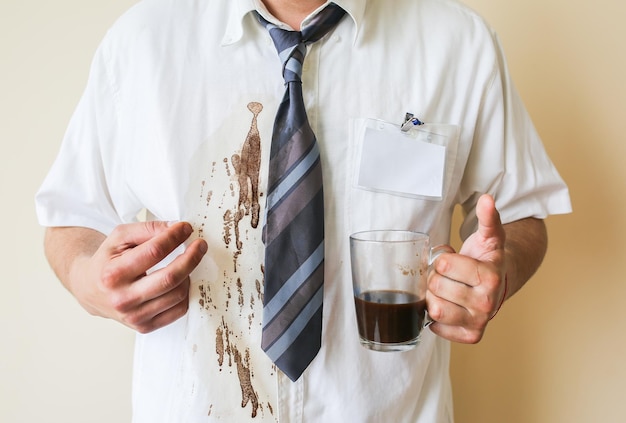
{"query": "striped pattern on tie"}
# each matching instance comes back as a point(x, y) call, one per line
point(294, 225)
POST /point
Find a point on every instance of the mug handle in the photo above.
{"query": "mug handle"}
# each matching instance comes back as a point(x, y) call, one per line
point(434, 253)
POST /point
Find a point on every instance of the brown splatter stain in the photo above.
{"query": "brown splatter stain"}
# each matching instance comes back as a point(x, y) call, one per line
point(202, 300)
point(223, 347)
point(407, 271)
point(219, 346)
point(202, 184)
point(259, 289)
point(247, 165)
point(251, 315)
point(228, 221)
point(240, 291)
point(243, 169)
point(248, 394)
point(205, 299)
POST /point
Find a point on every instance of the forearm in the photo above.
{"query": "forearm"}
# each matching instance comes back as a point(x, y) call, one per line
point(525, 247)
point(63, 246)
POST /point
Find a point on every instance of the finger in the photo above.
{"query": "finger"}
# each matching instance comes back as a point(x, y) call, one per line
point(147, 245)
point(453, 322)
point(171, 276)
point(489, 223)
point(155, 294)
point(458, 334)
point(133, 234)
point(461, 272)
point(169, 316)
point(478, 294)
point(160, 311)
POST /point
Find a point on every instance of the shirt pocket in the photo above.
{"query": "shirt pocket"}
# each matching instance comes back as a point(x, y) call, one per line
point(370, 209)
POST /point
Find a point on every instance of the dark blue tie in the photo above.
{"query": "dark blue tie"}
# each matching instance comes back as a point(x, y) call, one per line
point(294, 226)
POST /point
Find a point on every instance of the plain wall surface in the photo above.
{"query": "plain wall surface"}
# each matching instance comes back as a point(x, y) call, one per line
point(555, 353)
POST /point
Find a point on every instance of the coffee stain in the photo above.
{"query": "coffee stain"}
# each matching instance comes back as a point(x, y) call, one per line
point(224, 349)
point(228, 221)
point(205, 300)
point(226, 339)
point(227, 167)
point(240, 291)
point(232, 354)
point(247, 165)
point(259, 290)
point(219, 347)
point(407, 270)
point(248, 394)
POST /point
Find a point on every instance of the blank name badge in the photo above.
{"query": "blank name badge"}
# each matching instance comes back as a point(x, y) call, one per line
point(402, 163)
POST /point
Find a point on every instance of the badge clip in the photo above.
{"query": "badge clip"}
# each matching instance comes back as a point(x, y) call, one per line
point(410, 121)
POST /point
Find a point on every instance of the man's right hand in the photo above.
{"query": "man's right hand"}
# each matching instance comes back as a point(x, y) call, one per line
point(108, 275)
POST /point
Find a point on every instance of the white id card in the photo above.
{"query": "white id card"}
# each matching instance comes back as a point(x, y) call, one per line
point(408, 163)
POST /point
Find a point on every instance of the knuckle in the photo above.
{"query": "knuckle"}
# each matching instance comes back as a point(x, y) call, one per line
point(434, 283)
point(475, 338)
point(180, 309)
point(144, 329)
point(181, 295)
point(135, 320)
point(442, 264)
point(483, 304)
point(435, 312)
point(110, 276)
point(168, 281)
point(156, 251)
point(472, 336)
point(120, 302)
point(118, 230)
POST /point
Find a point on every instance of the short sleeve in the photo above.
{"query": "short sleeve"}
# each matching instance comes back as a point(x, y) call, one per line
point(508, 159)
point(75, 192)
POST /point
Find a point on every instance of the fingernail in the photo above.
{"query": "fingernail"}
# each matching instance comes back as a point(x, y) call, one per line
point(188, 228)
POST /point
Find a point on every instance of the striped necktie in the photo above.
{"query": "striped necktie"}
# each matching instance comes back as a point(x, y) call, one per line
point(294, 225)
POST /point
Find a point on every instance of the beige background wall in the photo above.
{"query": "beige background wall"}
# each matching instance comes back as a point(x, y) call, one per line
point(556, 352)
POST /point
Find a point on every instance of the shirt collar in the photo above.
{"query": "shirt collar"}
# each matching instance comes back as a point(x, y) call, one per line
point(239, 9)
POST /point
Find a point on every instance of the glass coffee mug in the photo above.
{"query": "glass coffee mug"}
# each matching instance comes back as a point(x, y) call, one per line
point(389, 272)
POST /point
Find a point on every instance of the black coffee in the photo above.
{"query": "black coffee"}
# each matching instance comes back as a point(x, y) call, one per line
point(389, 316)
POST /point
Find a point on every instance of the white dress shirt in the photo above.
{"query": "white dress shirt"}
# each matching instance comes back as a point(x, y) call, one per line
point(179, 88)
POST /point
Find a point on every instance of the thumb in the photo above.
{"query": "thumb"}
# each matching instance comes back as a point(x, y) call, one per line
point(490, 235)
point(489, 224)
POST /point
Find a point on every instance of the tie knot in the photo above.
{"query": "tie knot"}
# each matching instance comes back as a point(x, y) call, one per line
point(291, 45)
point(291, 51)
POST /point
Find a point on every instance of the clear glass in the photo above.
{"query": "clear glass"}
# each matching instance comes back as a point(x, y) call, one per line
point(389, 272)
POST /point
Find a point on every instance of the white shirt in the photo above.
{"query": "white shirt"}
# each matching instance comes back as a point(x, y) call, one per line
point(176, 91)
